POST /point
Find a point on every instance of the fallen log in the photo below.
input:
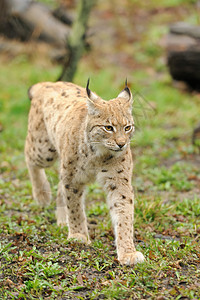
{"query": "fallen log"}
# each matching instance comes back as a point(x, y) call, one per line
point(183, 54)
point(196, 136)
point(28, 19)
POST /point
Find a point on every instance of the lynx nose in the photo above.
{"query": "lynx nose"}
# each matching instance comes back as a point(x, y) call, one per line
point(121, 145)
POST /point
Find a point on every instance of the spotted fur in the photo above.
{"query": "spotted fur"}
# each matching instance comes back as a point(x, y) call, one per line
point(91, 138)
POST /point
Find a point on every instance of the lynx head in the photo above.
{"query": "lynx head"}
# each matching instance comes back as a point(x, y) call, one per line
point(109, 123)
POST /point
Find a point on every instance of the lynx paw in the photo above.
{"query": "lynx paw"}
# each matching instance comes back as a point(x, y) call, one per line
point(61, 214)
point(131, 258)
point(80, 237)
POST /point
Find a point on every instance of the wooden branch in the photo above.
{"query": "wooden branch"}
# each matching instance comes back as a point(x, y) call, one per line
point(61, 14)
point(76, 40)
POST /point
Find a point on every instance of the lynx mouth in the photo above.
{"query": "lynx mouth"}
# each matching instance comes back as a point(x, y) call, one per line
point(117, 150)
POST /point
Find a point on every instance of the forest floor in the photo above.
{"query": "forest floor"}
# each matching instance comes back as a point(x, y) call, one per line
point(36, 259)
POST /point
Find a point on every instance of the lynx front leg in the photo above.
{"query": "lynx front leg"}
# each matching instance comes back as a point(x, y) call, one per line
point(61, 207)
point(76, 218)
point(120, 201)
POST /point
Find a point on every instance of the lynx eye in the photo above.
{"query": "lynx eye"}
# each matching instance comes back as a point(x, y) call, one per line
point(128, 128)
point(108, 128)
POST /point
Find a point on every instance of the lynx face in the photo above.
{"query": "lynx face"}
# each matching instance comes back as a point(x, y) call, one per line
point(110, 123)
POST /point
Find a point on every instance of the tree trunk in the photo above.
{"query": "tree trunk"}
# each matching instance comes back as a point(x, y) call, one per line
point(76, 40)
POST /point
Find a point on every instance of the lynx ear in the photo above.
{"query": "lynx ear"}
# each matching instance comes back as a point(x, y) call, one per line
point(91, 100)
point(90, 94)
point(126, 93)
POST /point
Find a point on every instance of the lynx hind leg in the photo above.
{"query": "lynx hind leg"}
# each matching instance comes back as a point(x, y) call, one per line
point(40, 186)
point(39, 157)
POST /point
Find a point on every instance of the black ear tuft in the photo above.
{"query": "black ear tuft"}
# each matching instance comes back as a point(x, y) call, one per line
point(87, 88)
point(127, 88)
point(29, 93)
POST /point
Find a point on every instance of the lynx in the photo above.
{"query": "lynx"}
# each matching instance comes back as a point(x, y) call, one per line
point(91, 138)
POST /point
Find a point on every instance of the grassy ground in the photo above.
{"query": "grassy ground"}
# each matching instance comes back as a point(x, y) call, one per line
point(36, 259)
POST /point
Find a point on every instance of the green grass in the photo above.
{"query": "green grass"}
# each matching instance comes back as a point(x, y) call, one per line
point(36, 259)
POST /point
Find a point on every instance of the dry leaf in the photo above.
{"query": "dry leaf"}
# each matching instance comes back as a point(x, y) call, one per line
point(80, 279)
